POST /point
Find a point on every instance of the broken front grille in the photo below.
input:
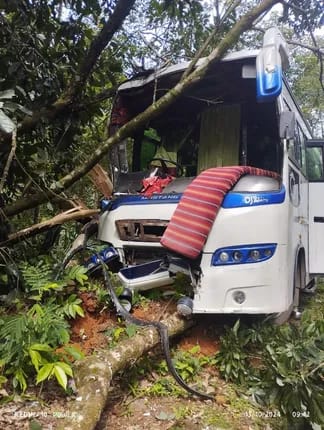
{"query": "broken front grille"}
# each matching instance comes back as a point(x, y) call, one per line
point(143, 230)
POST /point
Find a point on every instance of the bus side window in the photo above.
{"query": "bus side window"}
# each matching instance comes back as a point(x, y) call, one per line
point(294, 150)
point(297, 150)
point(314, 163)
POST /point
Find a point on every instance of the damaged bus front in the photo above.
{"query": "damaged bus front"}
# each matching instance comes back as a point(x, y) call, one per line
point(213, 185)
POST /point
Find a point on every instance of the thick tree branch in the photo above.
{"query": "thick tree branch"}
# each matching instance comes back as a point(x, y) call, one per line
point(317, 50)
point(98, 44)
point(152, 111)
point(71, 215)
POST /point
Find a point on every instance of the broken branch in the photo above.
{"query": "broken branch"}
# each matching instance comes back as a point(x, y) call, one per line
point(70, 215)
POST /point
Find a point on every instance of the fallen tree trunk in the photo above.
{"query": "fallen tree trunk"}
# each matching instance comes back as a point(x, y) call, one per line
point(93, 375)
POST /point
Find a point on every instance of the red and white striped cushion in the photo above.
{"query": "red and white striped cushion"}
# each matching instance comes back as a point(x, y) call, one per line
point(194, 216)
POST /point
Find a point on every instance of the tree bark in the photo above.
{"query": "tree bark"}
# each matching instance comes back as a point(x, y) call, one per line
point(122, 9)
point(152, 111)
point(71, 215)
point(101, 180)
point(93, 375)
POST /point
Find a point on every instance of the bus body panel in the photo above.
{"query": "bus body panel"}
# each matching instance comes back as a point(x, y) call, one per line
point(316, 227)
point(154, 211)
point(240, 226)
point(264, 285)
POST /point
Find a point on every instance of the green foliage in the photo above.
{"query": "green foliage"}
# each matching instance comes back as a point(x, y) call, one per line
point(304, 77)
point(38, 280)
point(116, 334)
point(35, 276)
point(59, 369)
point(42, 47)
point(232, 357)
point(71, 307)
point(30, 340)
point(164, 387)
point(32, 336)
point(290, 366)
point(304, 16)
point(187, 363)
point(40, 287)
point(294, 363)
point(77, 273)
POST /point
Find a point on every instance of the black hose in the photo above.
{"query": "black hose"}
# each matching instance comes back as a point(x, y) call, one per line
point(160, 327)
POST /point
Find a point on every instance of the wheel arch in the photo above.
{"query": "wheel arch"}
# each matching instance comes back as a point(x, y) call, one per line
point(300, 267)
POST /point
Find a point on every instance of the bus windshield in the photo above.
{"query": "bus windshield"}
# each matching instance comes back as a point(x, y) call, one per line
point(218, 122)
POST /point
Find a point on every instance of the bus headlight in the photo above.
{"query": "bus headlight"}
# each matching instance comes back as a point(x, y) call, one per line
point(237, 256)
point(223, 256)
point(255, 254)
point(268, 252)
point(242, 254)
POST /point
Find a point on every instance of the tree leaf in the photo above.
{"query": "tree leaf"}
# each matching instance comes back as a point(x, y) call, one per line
point(280, 382)
point(131, 330)
point(195, 349)
point(20, 377)
point(79, 310)
point(6, 124)
point(41, 347)
point(7, 94)
point(74, 352)
point(45, 372)
point(36, 358)
point(60, 375)
point(66, 367)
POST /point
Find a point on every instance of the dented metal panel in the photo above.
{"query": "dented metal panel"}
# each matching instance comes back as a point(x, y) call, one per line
point(141, 230)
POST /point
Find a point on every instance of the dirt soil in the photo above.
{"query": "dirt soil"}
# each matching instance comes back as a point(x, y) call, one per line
point(44, 408)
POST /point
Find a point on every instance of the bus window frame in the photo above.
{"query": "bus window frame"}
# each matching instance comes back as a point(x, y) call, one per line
point(316, 143)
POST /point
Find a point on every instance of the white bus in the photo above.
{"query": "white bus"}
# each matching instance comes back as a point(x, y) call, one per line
point(264, 244)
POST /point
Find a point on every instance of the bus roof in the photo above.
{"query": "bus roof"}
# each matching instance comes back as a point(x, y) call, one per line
point(181, 67)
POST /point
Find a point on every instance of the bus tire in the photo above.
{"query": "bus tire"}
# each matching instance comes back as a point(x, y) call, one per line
point(299, 284)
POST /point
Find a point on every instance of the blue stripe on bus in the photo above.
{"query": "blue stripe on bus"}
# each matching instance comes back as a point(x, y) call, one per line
point(239, 200)
point(231, 200)
point(143, 200)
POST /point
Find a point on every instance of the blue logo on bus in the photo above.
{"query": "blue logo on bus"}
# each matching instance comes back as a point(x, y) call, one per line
point(239, 200)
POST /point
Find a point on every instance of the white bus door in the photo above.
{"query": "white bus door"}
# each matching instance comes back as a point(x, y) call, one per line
point(315, 173)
